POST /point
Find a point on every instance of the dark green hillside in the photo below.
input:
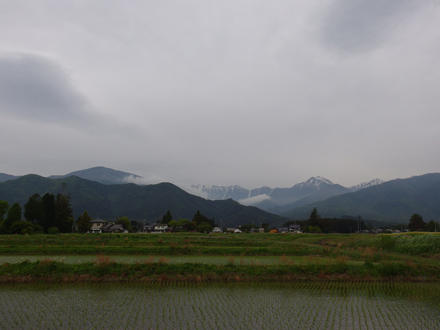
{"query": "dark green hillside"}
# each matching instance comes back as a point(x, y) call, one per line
point(394, 200)
point(149, 202)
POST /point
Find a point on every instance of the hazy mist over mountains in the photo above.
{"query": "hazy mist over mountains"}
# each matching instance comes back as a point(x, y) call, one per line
point(394, 200)
point(275, 200)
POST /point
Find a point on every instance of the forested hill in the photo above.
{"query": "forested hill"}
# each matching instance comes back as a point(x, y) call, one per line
point(149, 202)
point(395, 200)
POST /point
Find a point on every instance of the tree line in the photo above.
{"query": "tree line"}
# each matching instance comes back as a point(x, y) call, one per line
point(48, 214)
point(416, 223)
point(317, 224)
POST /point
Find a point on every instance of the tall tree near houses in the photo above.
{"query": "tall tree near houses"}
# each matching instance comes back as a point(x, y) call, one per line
point(83, 222)
point(198, 217)
point(314, 218)
point(125, 221)
point(416, 223)
point(63, 213)
point(167, 217)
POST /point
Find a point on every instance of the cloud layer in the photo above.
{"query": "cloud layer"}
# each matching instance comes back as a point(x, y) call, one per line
point(220, 92)
point(36, 88)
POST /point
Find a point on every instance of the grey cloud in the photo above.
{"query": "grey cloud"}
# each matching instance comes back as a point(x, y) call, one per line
point(37, 88)
point(222, 92)
point(361, 25)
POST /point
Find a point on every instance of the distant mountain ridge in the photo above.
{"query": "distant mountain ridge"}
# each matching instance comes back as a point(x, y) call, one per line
point(149, 202)
point(100, 174)
point(274, 200)
point(364, 185)
point(281, 199)
point(394, 200)
point(6, 177)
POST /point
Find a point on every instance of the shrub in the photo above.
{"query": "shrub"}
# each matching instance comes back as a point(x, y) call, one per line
point(53, 230)
point(21, 227)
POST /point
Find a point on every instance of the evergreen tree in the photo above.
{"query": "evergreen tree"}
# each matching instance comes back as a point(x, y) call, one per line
point(416, 223)
point(167, 217)
point(199, 218)
point(63, 213)
point(48, 205)
point(314, 218)
point(4, 207)
point(433, 226)
point(83, 222)
point(33, 209)
point(14, 214)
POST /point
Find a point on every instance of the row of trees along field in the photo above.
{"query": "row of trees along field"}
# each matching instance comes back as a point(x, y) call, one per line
point(49, 213)
point(416, 223)
point(199, 223)
point(316, 224)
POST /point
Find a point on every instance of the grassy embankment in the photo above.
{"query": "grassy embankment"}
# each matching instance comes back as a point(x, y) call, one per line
point(305, 256)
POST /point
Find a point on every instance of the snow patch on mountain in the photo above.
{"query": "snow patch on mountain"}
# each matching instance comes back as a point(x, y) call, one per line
point(221, 192)
point(366, 184)
point(314, 186)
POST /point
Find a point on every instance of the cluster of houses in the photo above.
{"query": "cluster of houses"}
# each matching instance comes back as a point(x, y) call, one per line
point(381, 231)
point(291, 229)
point(102, 226)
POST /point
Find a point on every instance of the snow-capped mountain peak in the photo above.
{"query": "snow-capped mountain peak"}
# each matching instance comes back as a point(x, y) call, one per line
point(314, 181)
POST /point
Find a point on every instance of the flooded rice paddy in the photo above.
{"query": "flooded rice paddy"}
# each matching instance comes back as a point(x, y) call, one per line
point(180, 305)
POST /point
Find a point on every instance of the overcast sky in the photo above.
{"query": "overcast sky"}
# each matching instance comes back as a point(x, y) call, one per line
point(245, 92)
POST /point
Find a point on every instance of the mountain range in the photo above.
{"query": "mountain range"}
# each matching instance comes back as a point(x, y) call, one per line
point(395, 200)
point(149, 202)
point(277, 200)
point(107, 194)
point(274, 200)
point(99, 174)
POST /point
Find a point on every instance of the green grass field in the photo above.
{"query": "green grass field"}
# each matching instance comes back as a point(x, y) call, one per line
point(219, 257)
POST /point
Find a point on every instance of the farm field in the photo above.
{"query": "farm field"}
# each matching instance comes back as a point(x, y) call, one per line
point(211, 260)
point(298, 305)
point(220, 257)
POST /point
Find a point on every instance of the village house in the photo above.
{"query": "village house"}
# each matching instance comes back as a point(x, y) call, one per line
point(217, 230)
point(156, 228)
point(102, 226)
point(280, 230)
point(97, 225)
point(295, 229)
